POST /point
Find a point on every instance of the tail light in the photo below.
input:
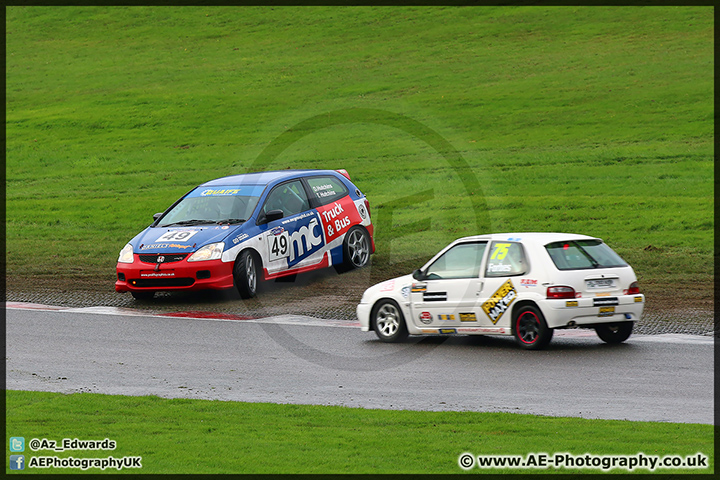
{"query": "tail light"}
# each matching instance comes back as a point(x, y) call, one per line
point(560, 292)
point(634, 289)
point(367, 207)
point(344, 173)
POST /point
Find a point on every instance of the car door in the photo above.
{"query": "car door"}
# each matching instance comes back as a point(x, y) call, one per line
point(296, 239)
point(447, 297)
point(506, 263)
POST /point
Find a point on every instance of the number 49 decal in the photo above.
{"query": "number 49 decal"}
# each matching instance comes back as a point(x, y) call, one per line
point(278, 246)
point(176, 236)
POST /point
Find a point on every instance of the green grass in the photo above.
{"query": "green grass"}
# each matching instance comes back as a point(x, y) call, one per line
point(595, 120)
point(201, 436)
point(582, 119)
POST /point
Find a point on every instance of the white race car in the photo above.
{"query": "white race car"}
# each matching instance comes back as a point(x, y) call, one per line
point(521, 284)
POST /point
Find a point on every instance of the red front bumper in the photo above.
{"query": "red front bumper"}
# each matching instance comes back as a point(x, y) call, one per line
point(183, 275)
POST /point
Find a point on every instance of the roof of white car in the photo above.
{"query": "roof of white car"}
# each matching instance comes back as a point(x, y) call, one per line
point(539, 237)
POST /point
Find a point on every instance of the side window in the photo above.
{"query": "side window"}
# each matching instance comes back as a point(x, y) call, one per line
point(327, 189)
point(461, 261)
point(506, 259)
point(289, 197)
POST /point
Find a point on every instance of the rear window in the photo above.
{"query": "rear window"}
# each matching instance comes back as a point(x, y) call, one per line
point(583, 254)
point(327, 189)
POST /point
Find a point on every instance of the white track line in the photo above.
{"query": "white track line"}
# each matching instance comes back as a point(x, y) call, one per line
point(318, 322)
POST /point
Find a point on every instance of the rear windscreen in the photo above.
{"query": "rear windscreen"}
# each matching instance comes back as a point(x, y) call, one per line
point(582, 254)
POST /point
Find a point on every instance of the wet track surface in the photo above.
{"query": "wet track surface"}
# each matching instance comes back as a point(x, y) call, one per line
point(302, 360)
point(323, 294)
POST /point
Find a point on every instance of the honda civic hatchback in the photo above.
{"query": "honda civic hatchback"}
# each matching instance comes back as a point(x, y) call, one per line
point(241, 229)
point(522, 284)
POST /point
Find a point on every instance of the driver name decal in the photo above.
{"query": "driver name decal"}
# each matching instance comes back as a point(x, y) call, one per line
point(500, 301)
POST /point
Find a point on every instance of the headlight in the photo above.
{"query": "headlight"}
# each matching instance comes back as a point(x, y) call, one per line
point(208, 252)
point(126, 254)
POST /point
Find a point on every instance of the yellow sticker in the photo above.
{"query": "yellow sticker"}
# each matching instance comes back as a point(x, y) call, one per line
point(500, 301)
point(468, 317)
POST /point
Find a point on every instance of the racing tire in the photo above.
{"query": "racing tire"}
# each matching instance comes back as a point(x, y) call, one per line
point(246, 274)
point(142, 295)
point(356, 250)
point(530, 329)
point(388, 321)
point(614, 332)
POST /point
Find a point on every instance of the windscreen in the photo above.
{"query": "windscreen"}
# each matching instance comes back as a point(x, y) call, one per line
point(583, 254)
point(217, 204)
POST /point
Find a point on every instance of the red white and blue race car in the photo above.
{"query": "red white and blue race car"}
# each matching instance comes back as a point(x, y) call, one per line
point(238, 230)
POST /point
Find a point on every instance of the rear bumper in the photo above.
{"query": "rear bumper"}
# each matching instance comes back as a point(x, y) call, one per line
point(144, 277)
point(583, 311)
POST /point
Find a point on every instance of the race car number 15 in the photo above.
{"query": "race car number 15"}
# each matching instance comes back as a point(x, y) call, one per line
point(278, 246)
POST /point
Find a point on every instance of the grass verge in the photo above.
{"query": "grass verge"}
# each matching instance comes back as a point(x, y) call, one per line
point(201, 436)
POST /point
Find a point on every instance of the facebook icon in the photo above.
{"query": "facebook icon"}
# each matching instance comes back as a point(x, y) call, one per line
point(17, 462)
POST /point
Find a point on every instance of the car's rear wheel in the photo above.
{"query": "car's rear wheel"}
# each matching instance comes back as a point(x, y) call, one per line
point(142, 295)
point(614, 332)
point(356, 249)
point(388, 321)
point(530, 329)
point(246, 274)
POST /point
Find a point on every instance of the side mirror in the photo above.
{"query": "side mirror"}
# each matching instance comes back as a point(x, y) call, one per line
point(418, 275)
point(273, 215)
point(156, 216)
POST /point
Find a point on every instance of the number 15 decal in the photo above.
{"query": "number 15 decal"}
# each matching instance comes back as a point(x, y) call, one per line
point(278, 246)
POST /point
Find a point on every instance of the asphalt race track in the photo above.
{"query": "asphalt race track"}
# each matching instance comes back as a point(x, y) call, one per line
point(303, 360)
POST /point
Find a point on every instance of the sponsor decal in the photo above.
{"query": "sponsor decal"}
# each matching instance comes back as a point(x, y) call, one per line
point(468, 317)
point(447, 331)
point(443, 316)
point(428, 330)
point(157, 274)
point(299, 217)
point(153, 246)
point(277, 230)
point(338, 217)
point(497, 330)
point(500, 301)
point(176, 236)
point(418, 287)
point(387, 286)
point(304, 241)
point(435, 296)
point(405, 291)
point(606, 311)
point(426, 318)
point(219, 192)
point(526, 282)
point(497, 268)
point(240, 238)
point(571, 303)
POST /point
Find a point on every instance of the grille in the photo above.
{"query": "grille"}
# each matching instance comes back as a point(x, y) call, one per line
point(152, 258)
point(163, 282)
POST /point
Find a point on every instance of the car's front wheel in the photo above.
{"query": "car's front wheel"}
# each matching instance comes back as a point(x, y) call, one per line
point(614, 332)
point(388, 321)
point(246, 274)
point(356, 249)
point(531, 331)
